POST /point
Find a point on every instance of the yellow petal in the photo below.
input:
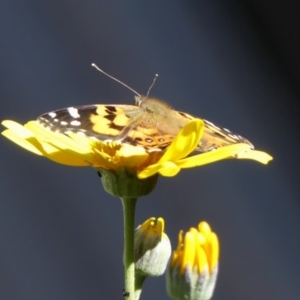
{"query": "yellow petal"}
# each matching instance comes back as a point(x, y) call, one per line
point(212, 156)
point(84, 141)
point(189, 252)
point(167, 169)
point(160, 226)
point(31, 144)
point(17, 128)
point(58, 140)
point(132, 156)
point(66, 157)
point(259, 156)
point(201, 259)
point(185, 142)
point(214, 250)
point(204, 228)
point(41, 141)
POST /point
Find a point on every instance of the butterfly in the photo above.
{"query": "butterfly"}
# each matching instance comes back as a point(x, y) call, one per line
point(150, 123)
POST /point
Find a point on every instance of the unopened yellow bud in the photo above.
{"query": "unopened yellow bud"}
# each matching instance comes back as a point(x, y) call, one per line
point(193, 268)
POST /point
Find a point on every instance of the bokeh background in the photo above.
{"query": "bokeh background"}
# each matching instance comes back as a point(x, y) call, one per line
point(233, 63)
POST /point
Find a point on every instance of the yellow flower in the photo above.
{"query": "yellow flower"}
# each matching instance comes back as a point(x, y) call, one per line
point(78, 150)
point(193, 269)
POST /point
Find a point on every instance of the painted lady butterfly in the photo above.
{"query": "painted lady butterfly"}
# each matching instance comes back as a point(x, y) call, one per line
point(150, 123)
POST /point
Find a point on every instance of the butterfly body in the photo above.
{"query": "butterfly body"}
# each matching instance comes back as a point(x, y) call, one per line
point(150, 123)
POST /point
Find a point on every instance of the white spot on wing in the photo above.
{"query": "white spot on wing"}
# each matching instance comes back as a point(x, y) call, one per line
point(75, 123)
point(74, 112)
point(52, 114)
point(212, 124)
point(64, 123)
point(235, 137)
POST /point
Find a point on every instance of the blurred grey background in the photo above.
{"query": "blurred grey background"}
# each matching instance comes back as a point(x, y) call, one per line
point(233, 63)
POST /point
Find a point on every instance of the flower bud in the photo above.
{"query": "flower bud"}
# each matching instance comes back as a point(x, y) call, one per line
point(152, 248)
point(193, 268)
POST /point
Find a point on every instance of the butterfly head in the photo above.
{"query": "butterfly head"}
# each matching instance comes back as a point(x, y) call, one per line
point(139, 100)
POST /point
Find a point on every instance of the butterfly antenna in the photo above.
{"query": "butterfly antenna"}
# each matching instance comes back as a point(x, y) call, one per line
point(156, 75)
point(117, 80)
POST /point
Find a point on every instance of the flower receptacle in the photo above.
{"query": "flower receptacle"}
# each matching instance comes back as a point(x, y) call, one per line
point(124, 183)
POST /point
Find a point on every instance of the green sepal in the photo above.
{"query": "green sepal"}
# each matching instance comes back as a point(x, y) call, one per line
point(191, 285)
point(124, 183)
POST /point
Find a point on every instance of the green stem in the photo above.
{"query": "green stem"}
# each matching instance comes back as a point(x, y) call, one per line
point(129, 212)
point(139, 280)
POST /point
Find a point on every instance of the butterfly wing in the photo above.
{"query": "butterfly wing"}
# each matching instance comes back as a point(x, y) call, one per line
point(215, 136)
point(104, 122)
point(149, 135)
